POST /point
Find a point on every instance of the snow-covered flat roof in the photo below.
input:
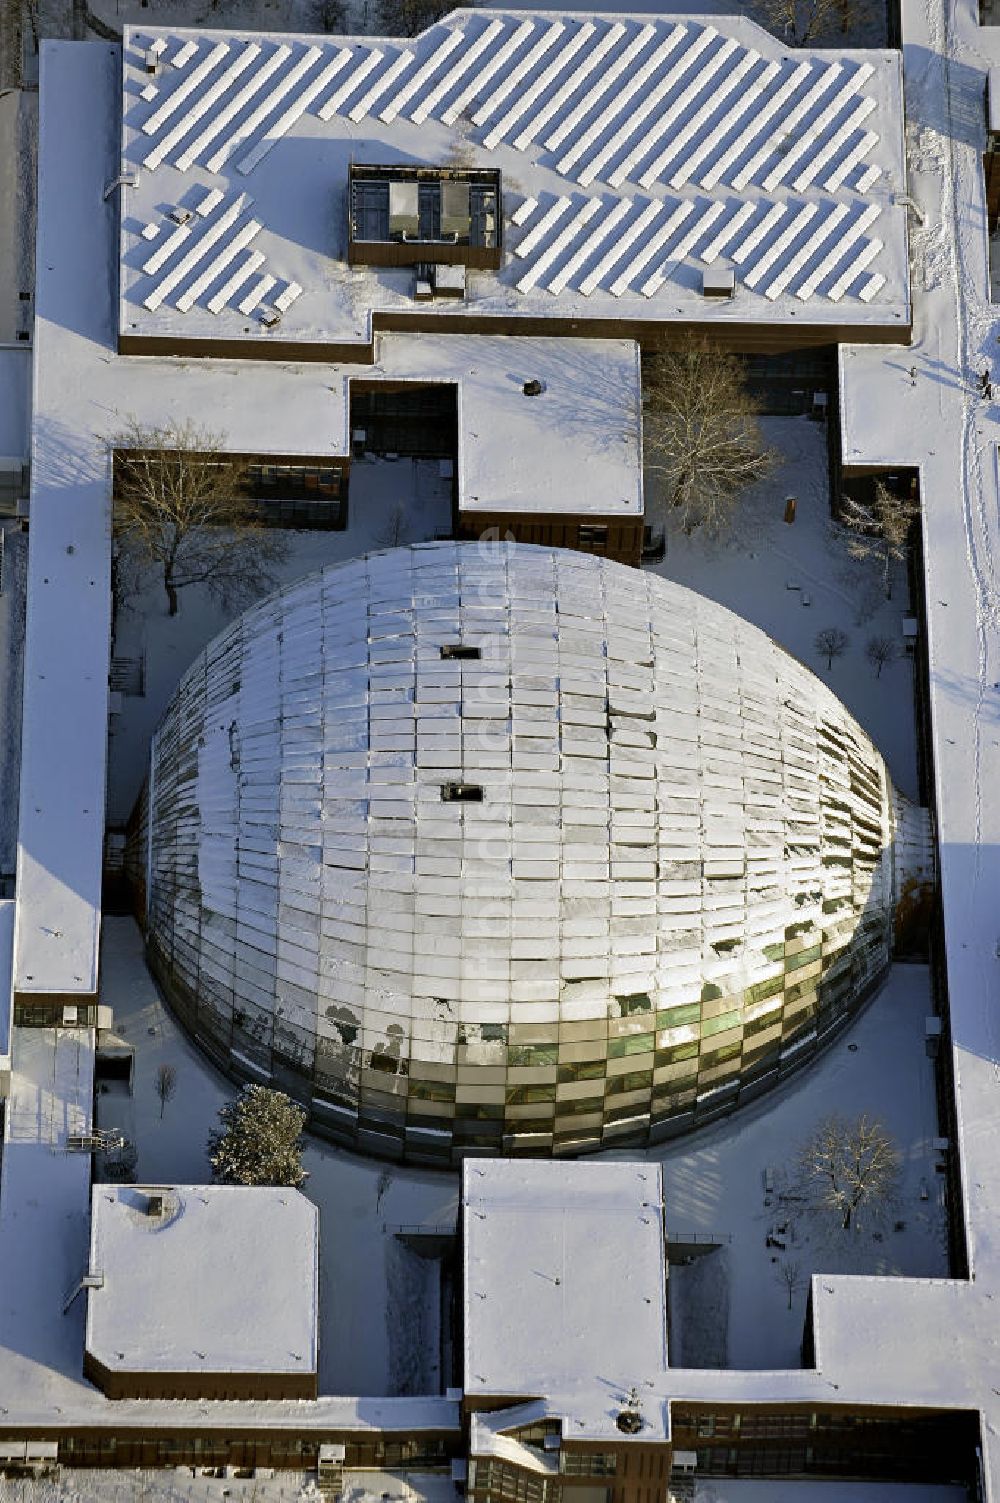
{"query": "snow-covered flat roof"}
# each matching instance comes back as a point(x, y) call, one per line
point(576, 447)
point(222, 1278)
point(565, 1292)
point(635, 151)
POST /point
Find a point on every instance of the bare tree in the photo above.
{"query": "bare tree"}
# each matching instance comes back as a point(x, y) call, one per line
point(405, 18)
point(849, 1167)
point(805, 22)
point(878, 529)
point(830, 643)
point(880, 650)
point(178, 507)
point(789, 1275)
point(700, 432)
point(166, 1085)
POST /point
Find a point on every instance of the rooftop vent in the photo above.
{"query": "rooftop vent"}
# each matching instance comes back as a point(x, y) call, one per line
point(533, 388)
point(154, 1205)
point(461, 793)
point(458, 650)
point(269, 317)
point(455, 210)
point(629, 1421)
point(404, 208)
point(718, 281)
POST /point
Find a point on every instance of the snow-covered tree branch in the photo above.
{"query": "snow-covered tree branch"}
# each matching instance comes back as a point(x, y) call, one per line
point(849, 1168)
point(878, 529)
point(700, 433)
point(178, 507)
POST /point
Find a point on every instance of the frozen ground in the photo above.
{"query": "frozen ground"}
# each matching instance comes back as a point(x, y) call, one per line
point(713, 1185)
point(378, 487)
point(752, 570)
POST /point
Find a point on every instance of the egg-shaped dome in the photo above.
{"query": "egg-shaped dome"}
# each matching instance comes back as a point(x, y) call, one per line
point(501, 848)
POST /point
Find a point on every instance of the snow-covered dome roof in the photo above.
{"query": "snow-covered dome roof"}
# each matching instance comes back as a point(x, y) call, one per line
point(508, 848)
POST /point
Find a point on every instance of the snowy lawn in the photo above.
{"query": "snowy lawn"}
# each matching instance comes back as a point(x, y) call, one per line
point(751, 571)
point(379, 1304)
point(378, 487)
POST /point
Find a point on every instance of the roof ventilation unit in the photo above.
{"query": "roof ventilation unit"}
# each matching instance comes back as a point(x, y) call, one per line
point(404, 211)
point(456, 214)
point(718, 281)
point(449, 281)
point(154, 1205)
point(533, 388)
point(460, 650)
point(461, 793)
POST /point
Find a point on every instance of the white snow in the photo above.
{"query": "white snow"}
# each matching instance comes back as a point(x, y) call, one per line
point(223, 1280)
point(67, 641)
point(408, 499)
point(564, 1282)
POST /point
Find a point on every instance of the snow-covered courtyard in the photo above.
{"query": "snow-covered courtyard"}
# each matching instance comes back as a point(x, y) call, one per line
point(730, 1306)
point(379, 1303)
point(715, 1183)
